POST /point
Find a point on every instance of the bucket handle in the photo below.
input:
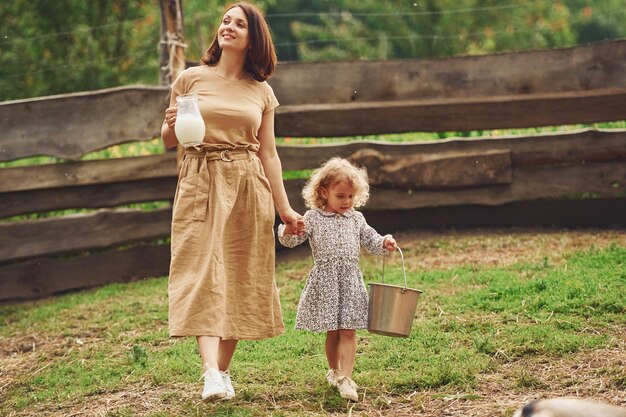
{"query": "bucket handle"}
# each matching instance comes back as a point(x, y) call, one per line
point(403, 268)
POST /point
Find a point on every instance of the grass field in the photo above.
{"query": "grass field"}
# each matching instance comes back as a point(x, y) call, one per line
point(506, 316)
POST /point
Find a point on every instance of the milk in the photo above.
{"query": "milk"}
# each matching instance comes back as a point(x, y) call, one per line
point(189, 129)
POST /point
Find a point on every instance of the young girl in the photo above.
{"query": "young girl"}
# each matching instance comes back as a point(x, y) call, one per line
point(334, 299)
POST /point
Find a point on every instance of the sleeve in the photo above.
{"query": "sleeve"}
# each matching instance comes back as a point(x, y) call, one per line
point(179, 86)
point(292, 241)
point(370, 237)
point(271, 102)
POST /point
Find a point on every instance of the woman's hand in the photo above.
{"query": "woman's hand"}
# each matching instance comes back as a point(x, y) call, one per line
point(389, 243)
point(290, 230)
point(170, 116)
point(294, 223)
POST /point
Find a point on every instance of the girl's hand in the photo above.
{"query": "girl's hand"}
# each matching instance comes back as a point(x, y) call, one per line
point(170, 116)
point(294, 223)
point(390, 243)
point(299, 230)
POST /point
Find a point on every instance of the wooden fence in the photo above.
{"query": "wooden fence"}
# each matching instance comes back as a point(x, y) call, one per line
point(575, 172)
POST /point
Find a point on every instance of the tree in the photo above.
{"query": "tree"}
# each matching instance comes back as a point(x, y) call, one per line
point(369, 29)
point(51, 47)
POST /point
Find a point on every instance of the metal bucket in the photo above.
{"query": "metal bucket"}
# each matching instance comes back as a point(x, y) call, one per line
point(391, 307)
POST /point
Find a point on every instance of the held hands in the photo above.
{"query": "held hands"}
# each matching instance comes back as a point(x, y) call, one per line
point(294, 223)
point(170, 116)
point(389, 243)
point(298, 230)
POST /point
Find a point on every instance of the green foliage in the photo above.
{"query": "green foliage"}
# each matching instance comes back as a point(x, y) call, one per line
point(50, 47)
point(353, 29)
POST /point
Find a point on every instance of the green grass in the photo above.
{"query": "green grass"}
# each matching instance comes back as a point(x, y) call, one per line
point(429, 136)
point(139, 148)
point(152, 205)
point(471, 321)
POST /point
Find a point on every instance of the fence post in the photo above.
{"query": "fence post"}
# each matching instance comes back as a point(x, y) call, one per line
point(172, 61)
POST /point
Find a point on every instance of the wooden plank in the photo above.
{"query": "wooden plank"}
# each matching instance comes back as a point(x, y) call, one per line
point(581, 68)
point(600, 180)
point(590, 145)
point(439, 170)
point(572, 147)
point(575, 214)
point(71, 125)
point(93, 120)
point(435, 115)
point(528, 184)
point(88, 196)
point(87, 172)
point(584, 146)
point(103, 229)
point(115, 194)
point(40, 277)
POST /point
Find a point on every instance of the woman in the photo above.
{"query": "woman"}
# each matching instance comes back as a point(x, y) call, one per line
point(221, 285)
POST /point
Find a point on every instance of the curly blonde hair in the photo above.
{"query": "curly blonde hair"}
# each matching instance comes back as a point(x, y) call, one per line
point(334, 170)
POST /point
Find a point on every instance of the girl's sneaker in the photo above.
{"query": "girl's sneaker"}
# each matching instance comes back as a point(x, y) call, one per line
point(332, 376)
point(230, 391)
point(214, 388)
point(347, 388)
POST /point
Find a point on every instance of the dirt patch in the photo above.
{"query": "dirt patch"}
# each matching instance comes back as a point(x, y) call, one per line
point(503, 247)
point(487, 247)
point(140, 400)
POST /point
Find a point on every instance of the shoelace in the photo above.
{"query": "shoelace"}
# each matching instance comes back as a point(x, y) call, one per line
point(348, 381)
point(205, 374)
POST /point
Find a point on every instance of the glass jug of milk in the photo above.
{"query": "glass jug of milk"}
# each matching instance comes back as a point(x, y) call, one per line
point(189, 127)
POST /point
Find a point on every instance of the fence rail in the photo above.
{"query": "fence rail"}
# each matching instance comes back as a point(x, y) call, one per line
point(106, 243)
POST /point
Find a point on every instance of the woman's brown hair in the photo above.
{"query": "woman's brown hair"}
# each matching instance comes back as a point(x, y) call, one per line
point(260, 60)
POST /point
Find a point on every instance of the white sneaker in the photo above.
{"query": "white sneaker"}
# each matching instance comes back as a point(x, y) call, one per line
point(347, 388)
point(332, 376)
point(230, 391)
point(214, 388)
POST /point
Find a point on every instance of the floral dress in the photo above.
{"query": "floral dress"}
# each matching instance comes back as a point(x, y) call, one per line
point(334, 296)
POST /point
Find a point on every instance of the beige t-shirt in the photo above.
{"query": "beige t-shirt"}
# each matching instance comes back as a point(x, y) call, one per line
point(232, 110)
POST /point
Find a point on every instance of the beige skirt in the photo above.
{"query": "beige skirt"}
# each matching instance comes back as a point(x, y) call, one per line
point(221, 279)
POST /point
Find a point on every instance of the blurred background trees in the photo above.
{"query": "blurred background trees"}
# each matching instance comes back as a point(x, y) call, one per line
point(50, 46)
